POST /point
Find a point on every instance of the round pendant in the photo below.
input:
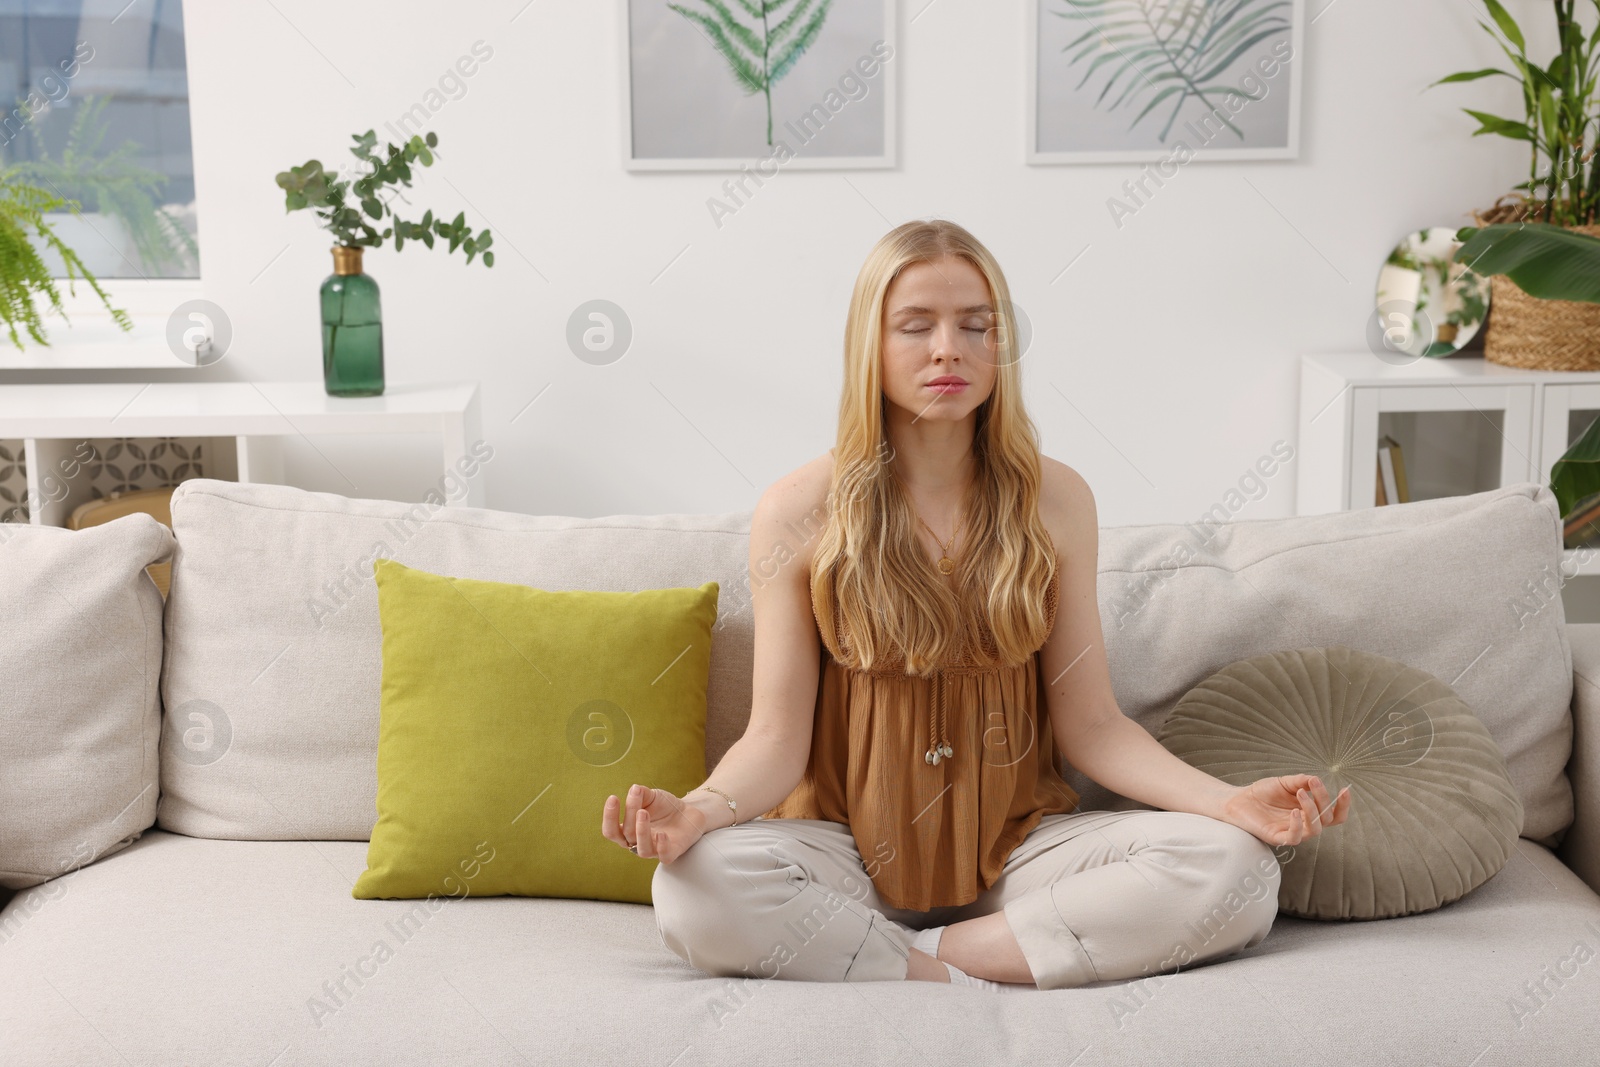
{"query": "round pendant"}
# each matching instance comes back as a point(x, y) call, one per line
point(946, 564)
point(948, 751)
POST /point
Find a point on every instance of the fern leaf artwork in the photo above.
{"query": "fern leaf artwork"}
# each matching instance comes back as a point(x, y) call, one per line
point(1161, 51)
point(762, 41)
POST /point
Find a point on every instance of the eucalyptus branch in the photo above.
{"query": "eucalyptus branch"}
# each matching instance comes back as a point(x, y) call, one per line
point(309, 186)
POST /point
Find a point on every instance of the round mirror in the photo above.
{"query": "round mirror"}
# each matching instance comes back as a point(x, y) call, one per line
point(1428, 305)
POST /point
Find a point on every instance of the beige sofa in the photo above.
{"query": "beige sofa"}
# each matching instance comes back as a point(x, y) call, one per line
point(216, 925)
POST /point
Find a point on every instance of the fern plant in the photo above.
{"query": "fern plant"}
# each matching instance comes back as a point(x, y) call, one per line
point(1170, 48)
point(764, 51)
point(110, 182)
point(23, 275)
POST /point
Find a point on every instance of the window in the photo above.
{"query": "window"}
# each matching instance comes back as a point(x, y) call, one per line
point(96, 109)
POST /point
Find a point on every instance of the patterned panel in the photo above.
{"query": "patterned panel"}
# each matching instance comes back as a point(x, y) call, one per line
point(13, 483)
point(116, 464)
point(121, 464)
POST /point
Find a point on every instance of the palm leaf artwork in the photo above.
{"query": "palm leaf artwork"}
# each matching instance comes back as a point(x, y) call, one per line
point(1170, 48)
point(761, 53)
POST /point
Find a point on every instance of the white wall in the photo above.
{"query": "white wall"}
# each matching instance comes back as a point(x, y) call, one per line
point(1163, 363)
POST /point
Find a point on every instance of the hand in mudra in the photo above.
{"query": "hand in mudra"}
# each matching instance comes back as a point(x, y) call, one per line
point(658, 825)
point(1288, 809)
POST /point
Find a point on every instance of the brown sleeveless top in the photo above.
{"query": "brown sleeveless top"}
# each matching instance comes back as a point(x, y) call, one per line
point(931, 834)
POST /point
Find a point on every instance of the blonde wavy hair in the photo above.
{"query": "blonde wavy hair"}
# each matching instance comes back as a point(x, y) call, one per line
point(869, 573)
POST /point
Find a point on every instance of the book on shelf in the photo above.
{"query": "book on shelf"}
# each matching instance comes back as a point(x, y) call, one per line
point(1392, 488)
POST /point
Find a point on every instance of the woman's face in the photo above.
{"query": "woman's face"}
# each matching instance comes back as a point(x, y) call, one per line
point(938, 322)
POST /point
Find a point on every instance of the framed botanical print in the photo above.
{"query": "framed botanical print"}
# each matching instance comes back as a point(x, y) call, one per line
point(724, 84)
point(1132, 81)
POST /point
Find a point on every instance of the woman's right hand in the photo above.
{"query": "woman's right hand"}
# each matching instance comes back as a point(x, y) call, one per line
point(662, 825)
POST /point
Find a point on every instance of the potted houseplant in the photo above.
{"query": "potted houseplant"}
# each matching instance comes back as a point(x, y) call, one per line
point(1558, 264)
point(352, 324)
point(120, 200)
point(1560, 124)
point(23, 273)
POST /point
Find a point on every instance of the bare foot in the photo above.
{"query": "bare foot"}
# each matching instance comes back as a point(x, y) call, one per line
point(921, 967)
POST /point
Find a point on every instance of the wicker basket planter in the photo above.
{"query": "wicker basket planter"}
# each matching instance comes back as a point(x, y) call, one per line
point(1525, 331)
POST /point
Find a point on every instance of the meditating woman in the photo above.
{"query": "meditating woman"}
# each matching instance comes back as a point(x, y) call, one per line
point(927, 649)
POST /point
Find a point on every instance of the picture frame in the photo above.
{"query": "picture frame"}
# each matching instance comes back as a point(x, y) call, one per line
point(688, 104)
point(1083, 104)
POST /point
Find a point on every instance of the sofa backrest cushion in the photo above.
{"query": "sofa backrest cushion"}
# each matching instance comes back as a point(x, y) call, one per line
point(274, 658)
point(1466, 588)
point(80, 711)
point(272, 627)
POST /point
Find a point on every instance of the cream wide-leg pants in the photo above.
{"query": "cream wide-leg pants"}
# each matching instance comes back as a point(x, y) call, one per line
point(1090, 896)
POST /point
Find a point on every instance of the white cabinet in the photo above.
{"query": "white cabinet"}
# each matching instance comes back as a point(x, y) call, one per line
point(1464, 425)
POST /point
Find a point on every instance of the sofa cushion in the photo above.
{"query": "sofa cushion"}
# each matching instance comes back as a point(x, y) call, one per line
point(80, 712)
point(1466, 588)
point(498, 696)
point(274, 644)
point(276, 638)
point(1433, 814)
point(182, 950)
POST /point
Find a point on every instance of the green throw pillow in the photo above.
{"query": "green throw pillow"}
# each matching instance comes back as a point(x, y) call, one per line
point(509, 713)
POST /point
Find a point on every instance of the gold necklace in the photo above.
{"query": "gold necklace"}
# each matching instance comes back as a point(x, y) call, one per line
point(939, 747)
point(946, 564)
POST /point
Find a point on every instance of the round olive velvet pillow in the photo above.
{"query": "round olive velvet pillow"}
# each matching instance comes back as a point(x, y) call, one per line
point(1433, 814)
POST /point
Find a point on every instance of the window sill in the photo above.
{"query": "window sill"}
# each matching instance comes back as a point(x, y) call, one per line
point(89, 340)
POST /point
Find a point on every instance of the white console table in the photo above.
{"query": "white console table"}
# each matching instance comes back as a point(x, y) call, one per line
point(254, 416)
point(1464, 425)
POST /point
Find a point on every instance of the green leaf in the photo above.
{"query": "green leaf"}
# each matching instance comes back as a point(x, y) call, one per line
point(1226, 61)
point(1548, 262)
point(743, 69)
point(1558, 69)
point(1503, 127)
point(1547, 115)
point(1472, 76)
point(1507, 24)
point(1162, 95)
point(488, 259)
point(431, 140)
point(803, 40)
point(1577, 473)
point(736, 29)
point(786, 27)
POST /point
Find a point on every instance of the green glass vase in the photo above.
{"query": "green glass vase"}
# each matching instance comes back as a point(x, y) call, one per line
point(352, 328)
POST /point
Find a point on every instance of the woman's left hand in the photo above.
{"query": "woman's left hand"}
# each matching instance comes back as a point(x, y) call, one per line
point(1286, 810)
